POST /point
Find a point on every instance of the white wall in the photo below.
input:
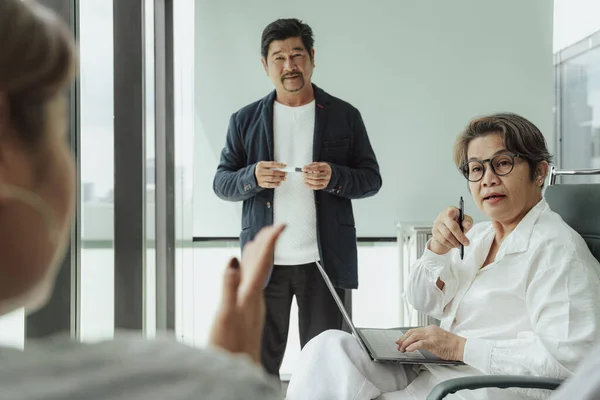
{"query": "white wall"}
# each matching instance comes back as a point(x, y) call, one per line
point(417, 70)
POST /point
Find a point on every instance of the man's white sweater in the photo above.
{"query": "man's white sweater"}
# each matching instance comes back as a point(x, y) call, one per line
point(294, 203)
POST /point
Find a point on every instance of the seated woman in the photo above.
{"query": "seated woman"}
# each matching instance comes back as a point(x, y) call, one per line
point(37, 63)
point(525, 300)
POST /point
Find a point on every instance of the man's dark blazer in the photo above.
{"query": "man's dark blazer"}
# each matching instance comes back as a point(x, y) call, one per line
point(341, 140)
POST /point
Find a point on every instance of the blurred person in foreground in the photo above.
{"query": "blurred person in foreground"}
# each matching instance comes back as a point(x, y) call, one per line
point(37, 182)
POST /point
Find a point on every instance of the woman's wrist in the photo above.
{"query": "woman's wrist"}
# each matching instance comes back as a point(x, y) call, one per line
point(460, 349)
point(437, 248)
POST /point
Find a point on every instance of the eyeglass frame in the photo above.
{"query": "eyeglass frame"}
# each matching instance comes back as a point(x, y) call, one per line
point(489, 161)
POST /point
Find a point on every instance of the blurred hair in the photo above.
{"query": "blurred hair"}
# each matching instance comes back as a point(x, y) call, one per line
point(37, 62)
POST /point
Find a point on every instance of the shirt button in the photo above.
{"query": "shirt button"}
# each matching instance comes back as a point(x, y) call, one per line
point(268, 204)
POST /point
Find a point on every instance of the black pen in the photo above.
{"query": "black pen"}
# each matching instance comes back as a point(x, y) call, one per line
point(461, 208)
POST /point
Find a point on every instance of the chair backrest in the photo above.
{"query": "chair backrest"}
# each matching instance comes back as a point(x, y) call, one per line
point(555, 172)
point(579, 206)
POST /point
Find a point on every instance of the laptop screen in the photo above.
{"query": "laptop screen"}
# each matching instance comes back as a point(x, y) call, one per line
point(338, 301)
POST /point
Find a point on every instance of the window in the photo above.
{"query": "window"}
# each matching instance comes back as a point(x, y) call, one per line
point(97, 170)
point(579, 105)
point(187, 295)
point(577, 86)
point(12, 329)
point(377, 301)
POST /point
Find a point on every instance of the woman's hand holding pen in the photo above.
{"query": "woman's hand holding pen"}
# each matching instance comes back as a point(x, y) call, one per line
point(447, 233)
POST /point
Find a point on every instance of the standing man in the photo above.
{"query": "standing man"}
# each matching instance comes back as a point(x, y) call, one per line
point(322, 144)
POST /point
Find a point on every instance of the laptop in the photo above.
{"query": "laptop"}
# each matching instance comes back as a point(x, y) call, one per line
point(380, 344)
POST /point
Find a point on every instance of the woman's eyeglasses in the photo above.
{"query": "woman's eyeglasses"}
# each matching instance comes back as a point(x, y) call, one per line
point(501, 164)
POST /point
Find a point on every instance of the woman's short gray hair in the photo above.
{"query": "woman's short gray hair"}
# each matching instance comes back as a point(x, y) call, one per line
point(520, 136)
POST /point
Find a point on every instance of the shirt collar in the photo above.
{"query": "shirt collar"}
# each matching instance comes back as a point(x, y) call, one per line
point(518, 240)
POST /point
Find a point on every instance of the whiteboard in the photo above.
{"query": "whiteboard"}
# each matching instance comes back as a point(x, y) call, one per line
point(418, 71)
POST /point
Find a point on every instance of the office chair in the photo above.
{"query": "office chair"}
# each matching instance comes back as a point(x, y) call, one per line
point(579, 206)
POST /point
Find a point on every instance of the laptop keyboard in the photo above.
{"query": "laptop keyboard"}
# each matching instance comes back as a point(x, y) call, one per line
point(383, 343)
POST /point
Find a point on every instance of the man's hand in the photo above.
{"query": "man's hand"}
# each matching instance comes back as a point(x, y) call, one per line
point(317, 175)
point(267, 177)
point(434, 339)
point(239, 322)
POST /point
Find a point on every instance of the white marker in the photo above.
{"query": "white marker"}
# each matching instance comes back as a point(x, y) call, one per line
point(288, 169)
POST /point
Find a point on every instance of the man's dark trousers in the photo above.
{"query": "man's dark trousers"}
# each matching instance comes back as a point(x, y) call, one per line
point(317, 310)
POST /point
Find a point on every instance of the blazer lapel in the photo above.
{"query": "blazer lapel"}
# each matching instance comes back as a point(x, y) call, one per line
point(321, 103)
point(267, 119)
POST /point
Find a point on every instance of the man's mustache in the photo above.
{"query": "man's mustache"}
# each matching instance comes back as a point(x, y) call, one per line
point(291, 75)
